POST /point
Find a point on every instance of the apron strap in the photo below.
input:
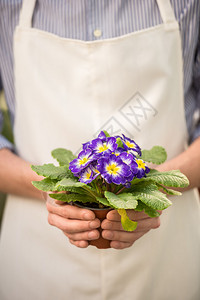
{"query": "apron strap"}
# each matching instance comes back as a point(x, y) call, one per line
point(166, 11)
point(28, 6)
point(26, 13)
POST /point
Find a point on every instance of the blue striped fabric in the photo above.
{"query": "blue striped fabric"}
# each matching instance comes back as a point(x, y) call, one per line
point(77, 19)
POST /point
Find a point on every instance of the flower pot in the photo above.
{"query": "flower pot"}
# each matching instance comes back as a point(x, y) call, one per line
point(100, 213)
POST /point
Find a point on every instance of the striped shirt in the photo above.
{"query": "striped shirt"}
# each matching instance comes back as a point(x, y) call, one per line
point(90, 20)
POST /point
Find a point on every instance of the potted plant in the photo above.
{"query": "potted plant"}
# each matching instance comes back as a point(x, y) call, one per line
point(111, 173)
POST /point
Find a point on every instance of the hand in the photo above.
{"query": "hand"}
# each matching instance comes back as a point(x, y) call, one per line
point(120, 239)
point(79, 225)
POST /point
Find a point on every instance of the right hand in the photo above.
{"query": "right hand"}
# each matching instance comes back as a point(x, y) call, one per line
point(79, 225)
point(121, 239)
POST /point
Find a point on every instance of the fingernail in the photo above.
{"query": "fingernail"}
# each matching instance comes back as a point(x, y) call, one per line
point(92, 235)
point(94, 224)
point(107, 226)
point(109, 235)
point(87, 216)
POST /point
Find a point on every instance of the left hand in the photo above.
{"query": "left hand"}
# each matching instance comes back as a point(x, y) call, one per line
point(121, 239)
point(78, 224)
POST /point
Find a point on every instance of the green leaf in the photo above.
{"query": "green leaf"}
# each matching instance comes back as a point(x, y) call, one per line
point(140, 206)
point(69, 182)
point(75, 190)
point(103, 201)
point(154, 199)
point(63, 156)
point(148, 193)
point(148, 210)
point(106, 133)
point(127, 224)
point(71, 197)
point(124, 200)
point(51, 171)
point(72, 185)
point(157, 155)
point(119, 143)
point(45, 185)
point(50, 185)
point(143, 186)
point(169, 191)
point(151, 212)
point(172, 178)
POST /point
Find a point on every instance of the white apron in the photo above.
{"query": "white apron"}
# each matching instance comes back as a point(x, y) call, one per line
point(67, 91)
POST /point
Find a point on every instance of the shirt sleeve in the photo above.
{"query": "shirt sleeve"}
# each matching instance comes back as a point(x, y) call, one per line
point(196, 85)
point(4, 142)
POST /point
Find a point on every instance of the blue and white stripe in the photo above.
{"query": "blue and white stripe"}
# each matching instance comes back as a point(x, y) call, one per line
point(78, 20)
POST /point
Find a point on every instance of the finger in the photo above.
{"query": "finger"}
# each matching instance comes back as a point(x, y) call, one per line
point(72, 226)
point(79, 244)
point(120, 245)
point(70, 212)
point(113, 215)
point(122, 236)
point(60, 202)
point(80, 236)
point(148, 223)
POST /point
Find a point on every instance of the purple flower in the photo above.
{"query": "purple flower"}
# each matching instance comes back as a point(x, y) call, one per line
point(99, 146)
point(130, 145)
point(88, 175)
point(86, 145)
point(85, 157)
point(127, 158)
point(102, 136)
point(113, 170)
point(118, 151)
point(111, 158)
point(139, 167)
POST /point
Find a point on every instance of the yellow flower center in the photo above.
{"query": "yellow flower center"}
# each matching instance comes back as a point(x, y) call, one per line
point(112, 169)
point(88, 175)
point(130, 145)
point(83, 161)
point(102, 148)
point(140, 163)
point(116, 154)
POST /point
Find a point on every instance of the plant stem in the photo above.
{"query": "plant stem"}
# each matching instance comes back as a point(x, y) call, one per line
point(93, 194)
point(120, 190)
point(107, 187)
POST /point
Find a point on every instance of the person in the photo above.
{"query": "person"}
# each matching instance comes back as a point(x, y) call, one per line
point(80, 67)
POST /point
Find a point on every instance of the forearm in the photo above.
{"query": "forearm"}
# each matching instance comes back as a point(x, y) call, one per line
point(16, 175)
point(188, 162)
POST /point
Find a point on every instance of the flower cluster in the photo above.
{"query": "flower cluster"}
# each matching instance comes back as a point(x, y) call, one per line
point(115, 159)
